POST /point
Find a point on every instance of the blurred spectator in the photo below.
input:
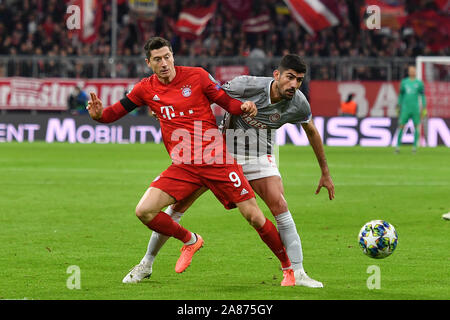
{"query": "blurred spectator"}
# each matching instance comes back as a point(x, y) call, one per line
point(257, 55)
point(78, 101)
point(349, 107)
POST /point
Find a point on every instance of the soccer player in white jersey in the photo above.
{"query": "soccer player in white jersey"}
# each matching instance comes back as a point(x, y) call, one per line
point(279, 101)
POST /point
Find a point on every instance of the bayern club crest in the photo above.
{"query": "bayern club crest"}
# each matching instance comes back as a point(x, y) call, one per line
point(186, 91)
point(274, 117)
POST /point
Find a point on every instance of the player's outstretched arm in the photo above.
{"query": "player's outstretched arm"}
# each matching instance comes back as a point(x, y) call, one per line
point(316, 143)
point(218, 95)
point(111, 113)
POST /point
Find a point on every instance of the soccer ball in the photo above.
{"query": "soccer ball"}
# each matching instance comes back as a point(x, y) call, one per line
point(378, 239)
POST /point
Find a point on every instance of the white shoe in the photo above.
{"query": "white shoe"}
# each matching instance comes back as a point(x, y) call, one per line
point(302, 279)
point(138, 273)
point(446, 216)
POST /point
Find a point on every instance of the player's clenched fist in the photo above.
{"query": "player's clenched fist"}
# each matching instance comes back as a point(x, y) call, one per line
point(95, 107)
point(249, 107)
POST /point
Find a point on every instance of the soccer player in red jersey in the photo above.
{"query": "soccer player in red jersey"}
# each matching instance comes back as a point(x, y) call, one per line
point(181, 97)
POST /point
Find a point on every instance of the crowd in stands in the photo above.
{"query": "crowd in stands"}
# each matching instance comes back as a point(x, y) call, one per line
point(38, 27)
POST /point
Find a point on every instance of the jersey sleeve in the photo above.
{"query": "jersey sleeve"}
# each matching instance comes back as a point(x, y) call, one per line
point(123, 107)
point(211, 88)
point(304, 114)
point(307, 112)
point(135, 95)
point(117, 110)
point(245, 87)
point(113, 112)
point(236, 87)
point(215, 93)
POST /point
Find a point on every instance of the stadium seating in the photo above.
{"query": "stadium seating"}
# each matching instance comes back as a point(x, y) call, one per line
point(37, 28)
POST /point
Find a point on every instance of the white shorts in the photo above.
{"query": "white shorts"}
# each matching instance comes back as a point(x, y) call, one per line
point(259, 167)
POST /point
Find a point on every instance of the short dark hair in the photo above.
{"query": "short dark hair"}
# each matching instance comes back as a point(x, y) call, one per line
point(155, 43)
point(292, 61)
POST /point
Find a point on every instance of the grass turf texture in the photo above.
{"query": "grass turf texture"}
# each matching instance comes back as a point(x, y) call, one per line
point(73, 204)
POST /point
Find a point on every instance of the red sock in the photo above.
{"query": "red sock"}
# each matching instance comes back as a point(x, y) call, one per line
point(269, 234)
point(164, 224)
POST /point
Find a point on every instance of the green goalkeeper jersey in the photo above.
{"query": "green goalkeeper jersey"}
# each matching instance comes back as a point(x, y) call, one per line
point(410, 90)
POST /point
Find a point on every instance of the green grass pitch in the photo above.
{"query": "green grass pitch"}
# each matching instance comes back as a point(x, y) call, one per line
point(65, 205)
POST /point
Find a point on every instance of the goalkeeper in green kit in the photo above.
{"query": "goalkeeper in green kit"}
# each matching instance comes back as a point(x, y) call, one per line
point(408, 101)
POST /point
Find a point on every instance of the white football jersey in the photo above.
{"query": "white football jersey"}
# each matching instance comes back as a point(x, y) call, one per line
point(256, 136)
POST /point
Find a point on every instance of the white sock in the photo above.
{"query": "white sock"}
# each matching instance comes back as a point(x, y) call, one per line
point(192, 240)
point(291, 239)
point(157, 240)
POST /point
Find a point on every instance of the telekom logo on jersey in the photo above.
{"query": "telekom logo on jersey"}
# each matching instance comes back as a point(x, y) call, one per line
point(168, 112)
point(208, 147)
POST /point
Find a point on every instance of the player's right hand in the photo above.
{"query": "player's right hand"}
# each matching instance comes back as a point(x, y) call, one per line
point(249, 108)
point(327, 182)
point(95, 107)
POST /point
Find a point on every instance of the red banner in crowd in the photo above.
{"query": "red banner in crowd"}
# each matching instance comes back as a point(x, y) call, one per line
point(192, 21)
point(314, 15)
point(91, 19)
point(432, 27)
point(374, 98)
point(239, 8)
point(258, 23)
point(444, 5)
point(53, 93)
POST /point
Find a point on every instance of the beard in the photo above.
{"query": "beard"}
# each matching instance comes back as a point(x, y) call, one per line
point(287, 95)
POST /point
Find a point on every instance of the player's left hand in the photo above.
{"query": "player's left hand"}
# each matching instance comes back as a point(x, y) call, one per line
point(424, 113)
point(249, 108)
point(327, 182)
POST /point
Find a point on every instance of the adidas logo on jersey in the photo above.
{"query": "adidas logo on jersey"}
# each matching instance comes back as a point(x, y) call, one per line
point(244, 191)
point(156, 98)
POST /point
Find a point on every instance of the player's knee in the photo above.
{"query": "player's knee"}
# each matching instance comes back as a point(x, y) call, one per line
point(256, 219)
point(144, 214)
point(252, 220)
point(139, 212)
point(251, 212)
point(253, 216)
point(278, 206)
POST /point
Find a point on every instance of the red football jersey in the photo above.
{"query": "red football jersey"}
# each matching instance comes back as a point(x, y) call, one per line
point(188, 126)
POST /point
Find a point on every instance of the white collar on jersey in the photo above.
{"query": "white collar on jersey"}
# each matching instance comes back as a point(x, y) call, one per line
point(269, 101)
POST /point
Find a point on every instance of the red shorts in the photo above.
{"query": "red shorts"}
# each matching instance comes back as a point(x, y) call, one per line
point(227, 182)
